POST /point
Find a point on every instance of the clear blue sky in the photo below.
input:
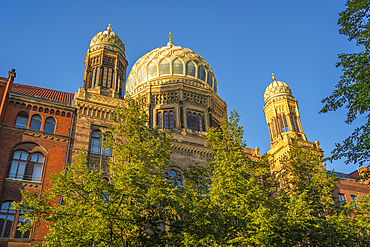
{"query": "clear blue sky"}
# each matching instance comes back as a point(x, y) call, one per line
point(243, 41)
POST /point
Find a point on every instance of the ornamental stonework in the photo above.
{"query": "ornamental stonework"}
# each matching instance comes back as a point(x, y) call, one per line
point(195, 99)
point(165, 98)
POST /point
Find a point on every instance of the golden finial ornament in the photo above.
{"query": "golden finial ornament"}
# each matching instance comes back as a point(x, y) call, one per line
point(109, 28)
point(170, 38)
point(273, 77)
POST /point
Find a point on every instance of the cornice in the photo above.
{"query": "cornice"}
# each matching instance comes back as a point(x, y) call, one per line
point(41, 101)
point(34, 132)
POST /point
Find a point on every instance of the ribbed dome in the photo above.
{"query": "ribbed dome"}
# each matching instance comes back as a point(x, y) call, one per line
point(171, 62)
point(108, 39)
point(276, 89)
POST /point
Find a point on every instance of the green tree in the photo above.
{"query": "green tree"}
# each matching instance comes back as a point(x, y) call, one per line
point(222, 204)
point(353, 89)
point(305, 199)
point(129, 210)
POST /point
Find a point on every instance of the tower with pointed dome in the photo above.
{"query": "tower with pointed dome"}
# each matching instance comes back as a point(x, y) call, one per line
point(106, 64)
point(283, 121)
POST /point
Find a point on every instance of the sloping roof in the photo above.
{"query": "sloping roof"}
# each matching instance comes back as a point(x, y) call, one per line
point(43, 93)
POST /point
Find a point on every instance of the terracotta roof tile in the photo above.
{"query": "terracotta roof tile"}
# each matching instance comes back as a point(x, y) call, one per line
point(43, 93)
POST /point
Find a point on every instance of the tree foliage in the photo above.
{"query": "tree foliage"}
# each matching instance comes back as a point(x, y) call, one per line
point(233, 201)
point(353, 89)
point(130, 210)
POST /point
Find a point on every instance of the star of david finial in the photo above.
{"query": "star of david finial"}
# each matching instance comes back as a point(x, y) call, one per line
point(170, 38)
point(273, 77)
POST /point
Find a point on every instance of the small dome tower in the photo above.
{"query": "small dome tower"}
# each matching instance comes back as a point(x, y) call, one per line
point(106, 64)
point(281, 112)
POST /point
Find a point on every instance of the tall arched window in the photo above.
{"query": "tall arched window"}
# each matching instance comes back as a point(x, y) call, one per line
point(200, 126)
point(22, 119)
point(195, 121)
point(294, 121)
point(98, 145)
point(201, 73)
point(165, 120)
point(6, 219)
point(49, 125)
point(190, 124)
point(152, 70)
point(209, 79)
point(18, 233)
point(168, 120)
point(106, 150)
point(159, 120)
point(171, 120)
point(283, 123)
point(178, 67)
point(36, 121)
point(164, 67)
point(26, 166)
point(190, 69)
point(95, 143)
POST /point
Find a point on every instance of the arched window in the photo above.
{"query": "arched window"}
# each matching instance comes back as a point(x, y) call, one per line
point(141, 74)
point(18, 233)
point(49, 125)
point(6, 219)
point(26, 166)
point(159, 120)
point(164, 67)
point(190, 125)
point(36, 122)
point(152, 70)
point(294, 121)
point(178, 67)
point(209, 79)
point(22, 119)
point(98, 145)
point(283, 123)
point(168, 120)
point(201, 73)
point(106, 150)
point(190, 69)
point(95, 143)
point(195, 121)
point(175, 177)
point(200, 128)
point(171, 120)
point(165, 120)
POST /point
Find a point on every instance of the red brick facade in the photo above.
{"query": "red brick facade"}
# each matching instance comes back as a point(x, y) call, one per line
point(47, 137)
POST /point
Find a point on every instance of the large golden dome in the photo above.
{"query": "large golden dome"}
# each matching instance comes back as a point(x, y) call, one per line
point(109, 40)
point(171, 62)
point(277, 89)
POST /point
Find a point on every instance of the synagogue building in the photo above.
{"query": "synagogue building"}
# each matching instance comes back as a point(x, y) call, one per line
point(42, 130)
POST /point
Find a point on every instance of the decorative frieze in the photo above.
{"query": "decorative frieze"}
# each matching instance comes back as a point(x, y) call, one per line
point(109, 60)
point(195, 99)
point(165, 98)
point(218, 110)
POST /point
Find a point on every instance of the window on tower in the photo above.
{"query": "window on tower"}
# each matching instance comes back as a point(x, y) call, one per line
point(195, 120)
point(294, 121)
point(283, 123)
point(166, 119)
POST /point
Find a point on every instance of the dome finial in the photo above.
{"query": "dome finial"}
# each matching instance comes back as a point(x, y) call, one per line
point(273, 77)
point(109, 28)
point(170, 42)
